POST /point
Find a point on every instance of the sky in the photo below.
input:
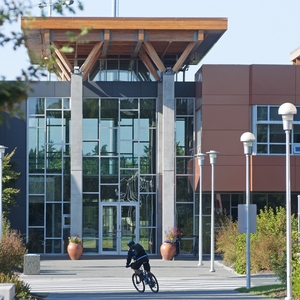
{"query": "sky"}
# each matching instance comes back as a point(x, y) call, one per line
point(259, 31)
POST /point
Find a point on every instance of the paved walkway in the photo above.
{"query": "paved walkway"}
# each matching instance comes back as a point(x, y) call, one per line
point(93, 277)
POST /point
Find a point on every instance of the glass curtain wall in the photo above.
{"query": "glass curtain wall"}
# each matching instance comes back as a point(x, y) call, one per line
point(48, 174)
point(184, 134)
point(119, 168)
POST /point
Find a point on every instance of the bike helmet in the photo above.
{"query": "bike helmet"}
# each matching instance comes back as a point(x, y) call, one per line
point(130, 243)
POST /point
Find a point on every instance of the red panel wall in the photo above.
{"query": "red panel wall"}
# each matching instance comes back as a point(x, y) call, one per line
point(228, 92)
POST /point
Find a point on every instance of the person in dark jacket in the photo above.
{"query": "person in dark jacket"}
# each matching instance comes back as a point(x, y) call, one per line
point(137, 253)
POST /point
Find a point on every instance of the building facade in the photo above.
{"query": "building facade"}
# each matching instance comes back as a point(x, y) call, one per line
point(108, 152)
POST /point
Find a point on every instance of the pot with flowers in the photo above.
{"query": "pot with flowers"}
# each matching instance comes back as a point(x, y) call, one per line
point(168, 247)
point(74, 247)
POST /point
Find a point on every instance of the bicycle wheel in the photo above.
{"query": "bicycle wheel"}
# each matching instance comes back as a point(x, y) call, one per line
point(154, 284)
point(138, 283)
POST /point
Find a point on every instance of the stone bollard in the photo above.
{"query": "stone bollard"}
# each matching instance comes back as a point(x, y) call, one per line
point(7, 291)
point(31, 264)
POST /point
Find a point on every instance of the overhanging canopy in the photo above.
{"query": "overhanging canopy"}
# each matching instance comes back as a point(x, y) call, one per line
point(160, 43)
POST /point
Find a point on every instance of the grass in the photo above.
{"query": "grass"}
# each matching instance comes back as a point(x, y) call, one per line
point(272, 291)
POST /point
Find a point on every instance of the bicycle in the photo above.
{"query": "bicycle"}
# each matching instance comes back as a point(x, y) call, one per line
point(148, 279)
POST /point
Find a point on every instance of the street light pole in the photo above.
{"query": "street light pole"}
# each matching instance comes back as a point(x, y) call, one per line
point(201, 157)
point(248, 138)
point(2, 151)
point(288, 110)
point(212, 158)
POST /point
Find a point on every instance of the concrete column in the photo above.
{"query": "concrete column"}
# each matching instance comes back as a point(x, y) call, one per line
point(167, 135)
point(76, 154)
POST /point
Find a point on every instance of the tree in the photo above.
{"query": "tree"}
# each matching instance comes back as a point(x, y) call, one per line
point(13, 93)
point(9, 176)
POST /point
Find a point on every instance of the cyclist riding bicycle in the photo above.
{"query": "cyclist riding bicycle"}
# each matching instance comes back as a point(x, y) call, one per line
point(137, 253)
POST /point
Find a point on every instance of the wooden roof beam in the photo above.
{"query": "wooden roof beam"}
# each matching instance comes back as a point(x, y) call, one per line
point(154, 56)
point(91, 60)
point(183, 57)
point(63, 72)
point(62, 58)
point(147, 62)
point(141, 38)
point(106, 42)
point(188, 50)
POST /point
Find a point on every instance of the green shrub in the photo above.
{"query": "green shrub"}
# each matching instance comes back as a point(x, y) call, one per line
point(268, 244)
point(22, 289)
point(296, 274)
point(12, 250)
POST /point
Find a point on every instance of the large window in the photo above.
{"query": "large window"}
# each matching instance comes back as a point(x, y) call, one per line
point(185, 108)
point(269, 133)
point(48, 173)
point(119, 163)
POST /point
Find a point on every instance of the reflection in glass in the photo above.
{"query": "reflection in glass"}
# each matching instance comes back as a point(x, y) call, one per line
point(90, 166)
point(277, 135)
point(90, 148)
point(109, 227)
point(148, 112)
point(54, 127)
point(90, 222)
point(90, 129)
point(53, 219)
point(185, 106)
point(36, 184)
point(184, 219)
point(130, 103)
point(109, 193)
point(53, 159)
point(274, 116)
point(262, 113)
point(109, 112)
point(109, 169)
point(90, 183)
point(184, 190)
point(148, 210)
point(53, 103)
point(129, 185)
point(184, 135)
point(128, 225)
point(148, 239)
point(262, 133)
point(53, 246)
point(67, 187)
point(108, 141)
point(35, 240)
point(53, 188)
point(36, 142)
point(296, 133)
point(36, 211)
point(36, 106)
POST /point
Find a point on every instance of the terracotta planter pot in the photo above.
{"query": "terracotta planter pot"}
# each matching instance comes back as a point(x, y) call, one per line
point(167, 251)
point(74, 251)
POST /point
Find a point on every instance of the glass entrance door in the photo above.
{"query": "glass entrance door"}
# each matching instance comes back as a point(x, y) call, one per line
point(118, 227)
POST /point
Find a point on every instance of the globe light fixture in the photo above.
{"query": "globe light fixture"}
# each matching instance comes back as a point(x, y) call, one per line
point(287, 111)
point(247, 139)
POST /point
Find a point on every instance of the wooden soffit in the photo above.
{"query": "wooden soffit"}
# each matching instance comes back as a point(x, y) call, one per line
point(160, 43)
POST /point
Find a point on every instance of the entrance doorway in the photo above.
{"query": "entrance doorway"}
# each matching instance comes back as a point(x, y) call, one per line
point(118, 227)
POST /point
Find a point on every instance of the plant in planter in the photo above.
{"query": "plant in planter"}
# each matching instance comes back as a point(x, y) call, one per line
point(168, 248)
point(74, 247)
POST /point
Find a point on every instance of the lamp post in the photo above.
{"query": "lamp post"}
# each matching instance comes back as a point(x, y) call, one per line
point(212, 158)
point(248, 138)
point(115, 8)
point(288, 110)
point(200, 157)
point(2, 151)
